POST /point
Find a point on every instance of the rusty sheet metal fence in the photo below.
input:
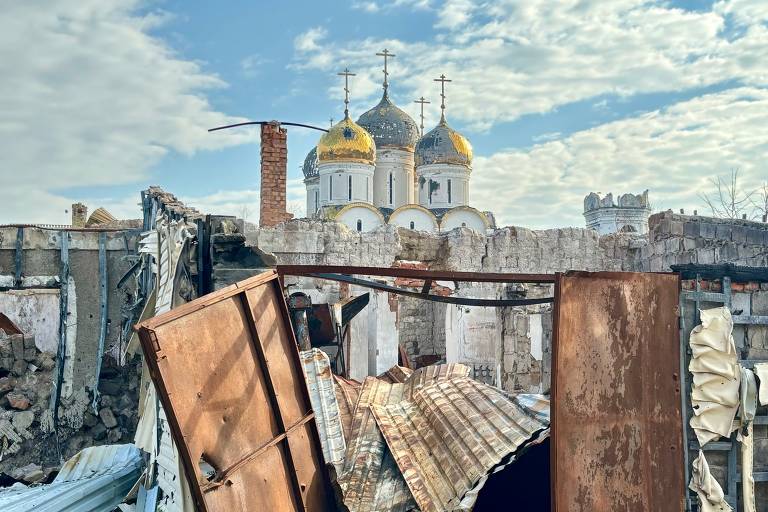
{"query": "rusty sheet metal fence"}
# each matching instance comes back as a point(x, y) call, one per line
point(228, 372)
point(616, 419)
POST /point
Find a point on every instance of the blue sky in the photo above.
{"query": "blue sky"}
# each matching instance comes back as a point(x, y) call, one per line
point(558, 97)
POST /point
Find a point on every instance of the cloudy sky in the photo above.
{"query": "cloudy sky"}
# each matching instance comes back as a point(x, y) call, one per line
point(101, 98)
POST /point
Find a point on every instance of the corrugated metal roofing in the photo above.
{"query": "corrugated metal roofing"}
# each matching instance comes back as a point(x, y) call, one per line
point(449, 435)
point(96, 479)
point(370, 480)
point(322, 395)
point(396, 374)
point(347, 393)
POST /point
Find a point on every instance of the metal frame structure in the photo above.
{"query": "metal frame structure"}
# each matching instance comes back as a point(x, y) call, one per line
point(727, 274)
point(344, 274)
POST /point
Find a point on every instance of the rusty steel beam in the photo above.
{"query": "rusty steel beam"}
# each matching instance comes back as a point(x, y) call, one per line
point(462, 301)
point(433, 275)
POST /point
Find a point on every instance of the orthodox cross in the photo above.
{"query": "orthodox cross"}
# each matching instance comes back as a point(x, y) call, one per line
point(331, 120)
point(442, 81)
point(385, 54)
point(422, 101)
point(346, 74)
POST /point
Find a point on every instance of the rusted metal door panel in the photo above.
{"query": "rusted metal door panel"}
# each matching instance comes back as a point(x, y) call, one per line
point(616, 422)
point(228, 372)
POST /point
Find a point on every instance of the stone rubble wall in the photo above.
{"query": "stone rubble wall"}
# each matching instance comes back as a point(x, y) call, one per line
point(79, 425)
point(680, 239)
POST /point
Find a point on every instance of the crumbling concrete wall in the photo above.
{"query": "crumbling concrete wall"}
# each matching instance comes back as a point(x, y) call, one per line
point(680, 239)
point(79, 425)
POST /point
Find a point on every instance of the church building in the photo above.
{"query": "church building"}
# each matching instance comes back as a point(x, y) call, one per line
point(383, 169)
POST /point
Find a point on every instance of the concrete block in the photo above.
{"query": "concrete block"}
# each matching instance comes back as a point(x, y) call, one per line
point(760, 302)
point(723, 232)
point(739, 234)
point(708, 230)
point(692, 229)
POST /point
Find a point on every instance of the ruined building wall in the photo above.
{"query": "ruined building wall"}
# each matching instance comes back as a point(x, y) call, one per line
point(680, 239)
point(35, 307)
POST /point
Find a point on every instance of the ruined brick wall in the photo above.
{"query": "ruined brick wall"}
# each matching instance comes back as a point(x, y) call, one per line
point(679, 239)
point(274, 158)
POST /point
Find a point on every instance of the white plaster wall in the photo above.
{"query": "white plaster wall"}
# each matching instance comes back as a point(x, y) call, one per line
point(471, 334)
point(359, 336)
point(422, 221)
point(400, 163)
point(370, 220)
point(536, 335)
point(340, 172)
point(313, 195)
point(462, 218)
point(36, 312)
point(383, 334)
point(441, 174)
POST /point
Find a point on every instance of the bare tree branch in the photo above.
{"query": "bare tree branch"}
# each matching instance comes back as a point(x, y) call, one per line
point(728, 200)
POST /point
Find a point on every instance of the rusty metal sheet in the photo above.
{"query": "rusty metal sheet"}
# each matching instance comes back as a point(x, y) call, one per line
point(450, 434)
point(616, 422)
point(371, 480)
point(396, 374)
point(228, 373)
point(347, 393)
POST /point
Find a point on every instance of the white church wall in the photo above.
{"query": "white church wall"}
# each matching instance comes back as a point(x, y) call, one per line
point(468, 218)
point(344, 183)
point(414, 218)
point(360, 218)
point(400, 165)
point(443, 185)
point(313, 195)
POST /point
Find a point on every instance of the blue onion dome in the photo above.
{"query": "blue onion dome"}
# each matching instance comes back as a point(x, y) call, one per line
point(443, 145)
point(310, 164)
point(390, 126)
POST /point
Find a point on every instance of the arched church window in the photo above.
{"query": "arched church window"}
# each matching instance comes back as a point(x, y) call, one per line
point(449, 191)
point(359, 225)
point(628, 229)
point(349, 191)
point(330, 187)
point(463, 224)
point(317, 200)
point(390, 188)
point(413, 225)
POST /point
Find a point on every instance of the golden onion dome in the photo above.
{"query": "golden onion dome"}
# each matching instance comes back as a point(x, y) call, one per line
point(443, 145)
point(346, 141)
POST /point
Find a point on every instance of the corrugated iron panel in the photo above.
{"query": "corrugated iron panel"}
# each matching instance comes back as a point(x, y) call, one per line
point(616, 422)
point(371, 480)
point(322, 394)
point(347, 393)
point(96, 479)
point(431, 374)
point(236, 397)
point(449, 435)
point(396, 374)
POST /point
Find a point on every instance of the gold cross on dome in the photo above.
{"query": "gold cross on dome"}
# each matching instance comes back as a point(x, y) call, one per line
point(442, 81)
point(422, 102)
point(346, 74)
point(386, 55)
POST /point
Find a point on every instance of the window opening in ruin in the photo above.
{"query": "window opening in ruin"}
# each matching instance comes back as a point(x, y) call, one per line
point(359, 225)
point(390, 188)
point(628, 229)
point(449, 191)
point(413, 225)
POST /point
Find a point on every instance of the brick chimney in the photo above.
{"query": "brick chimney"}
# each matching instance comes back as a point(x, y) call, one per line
point(79, 215)
point(274, 168)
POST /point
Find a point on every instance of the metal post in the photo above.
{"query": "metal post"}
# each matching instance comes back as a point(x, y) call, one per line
point(19, 259)
point(102, 316)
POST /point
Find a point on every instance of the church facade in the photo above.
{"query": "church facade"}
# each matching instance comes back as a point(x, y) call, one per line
point(382, 170)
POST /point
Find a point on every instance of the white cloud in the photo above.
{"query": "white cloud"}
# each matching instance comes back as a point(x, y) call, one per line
point(89, 97)
point(366, 6)
point(673, 152)
point(509, 58)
